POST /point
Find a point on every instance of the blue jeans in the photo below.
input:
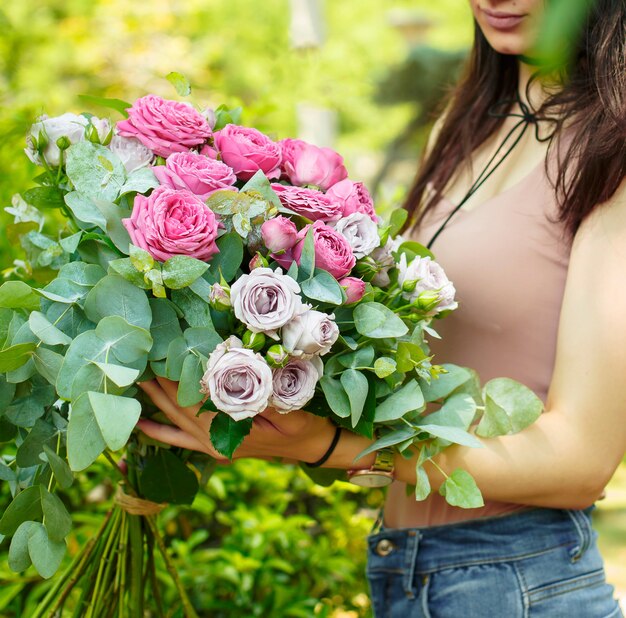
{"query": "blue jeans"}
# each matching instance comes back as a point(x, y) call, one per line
point(537, 563)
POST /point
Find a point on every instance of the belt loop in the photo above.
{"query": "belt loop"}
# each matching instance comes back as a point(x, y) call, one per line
point(412, 546)
point(583, 526)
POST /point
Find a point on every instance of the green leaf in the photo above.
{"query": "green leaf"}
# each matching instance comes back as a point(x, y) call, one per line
point(7, 392)
point(336, 396)
point(116, 417)
point(307, 259)
point(125, 268)
point(85, 348)
point(180, 83)
point(408, 356)
point(396, 436)
point(57, 520)
point(324, 477)
point(460, 489)
point(70, 243)
point(6, 473)
point(85, 210)
point(452, 434)
point(356, 386)
point(359, 358)
point(165, 478)
point(229, 258)
point(378, 322)
point(140, 181)
point(128, 343)
point(113, 295)
point(46, 331)
point(8, 431)
point(227, 434)
point(140, 258)
point(384, 366)
point(195, 309)
point(414, 249)
point(224, 116)
point(422, 486)
point(60, 468)
point(397, 220)
point(29, 451)
point(457, 411)
point(446, 383)
point(116, 104)
point(26, 506)
point(31, 405)
point(189, 386)
point(181, 271)
point(322, 287)
point(164, 329)
point(45, 553)
point(119, 375)
point(509, 408)
point(19, 558)
point(407, 399)
point(89, 176)
point(84, 438)
point(44, 197)
point(14, 357)
point(18, 295)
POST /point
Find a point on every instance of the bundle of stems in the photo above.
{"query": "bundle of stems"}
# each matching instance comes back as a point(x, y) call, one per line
point(114, 574)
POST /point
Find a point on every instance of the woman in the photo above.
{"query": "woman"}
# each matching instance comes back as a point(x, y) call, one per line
point(538, 253)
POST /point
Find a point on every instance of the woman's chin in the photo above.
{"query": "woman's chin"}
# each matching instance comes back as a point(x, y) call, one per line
point(509, 44)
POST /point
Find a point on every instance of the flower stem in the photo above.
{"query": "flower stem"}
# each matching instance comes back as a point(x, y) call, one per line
point(136, 566)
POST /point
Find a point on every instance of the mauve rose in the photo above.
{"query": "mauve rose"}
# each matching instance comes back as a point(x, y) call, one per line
point(429, 277)
point(355, 288)
point(265, 300)
point(309, 333)
point(237, 380)
point(247, 151)
point(309, 203)
point(306, 164)
point(353, 197)
point(294, 385)
point(360, 232)
point(332, 251)
point(196, 173)
point(279, 234)
point(165, 126)
point(49, 130)
point(131, 152)
point(384, 261)
point(171, 222)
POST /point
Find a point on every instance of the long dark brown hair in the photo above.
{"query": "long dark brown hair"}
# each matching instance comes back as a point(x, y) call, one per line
point(591, 102)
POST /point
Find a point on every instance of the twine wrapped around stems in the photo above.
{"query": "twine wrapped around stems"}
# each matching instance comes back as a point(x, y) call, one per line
point(137, 506)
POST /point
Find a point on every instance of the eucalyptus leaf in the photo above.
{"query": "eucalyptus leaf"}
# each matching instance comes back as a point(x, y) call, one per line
point(140, 181)
point(60, 468)
point(45, 553)
point(452, 434)
point(26, 506)
point(116, 417)
point(376, 321)
point(46, 331)
point(85, 210)
point(356, 386)
point(457, 411)
point(362, 357)
point(57, 520)
point(189, 386)
point(14, 357)
point(127, 341)
point(384, 366)
point(19, 558)
point(195, 309)
point(336, 396)
point(180, 83)
point(460, 489)
point(165, 327)
point(116, 104)
point(28, 452)
point(422, 486)
point(181, 271)
point(307, 258)
point(446, 383)
point(118, 374)
point(322, 287)
point(395, 436)
point(406, 399)
point(85, 442)
point(18, 295)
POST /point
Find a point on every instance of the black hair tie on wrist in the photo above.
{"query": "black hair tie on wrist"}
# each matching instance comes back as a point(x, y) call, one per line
point(324, 458)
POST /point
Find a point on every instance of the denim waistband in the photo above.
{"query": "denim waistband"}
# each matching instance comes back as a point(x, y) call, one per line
point(493, 539)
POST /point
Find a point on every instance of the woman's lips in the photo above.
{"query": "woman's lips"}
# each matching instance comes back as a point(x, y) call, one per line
point(502, 21)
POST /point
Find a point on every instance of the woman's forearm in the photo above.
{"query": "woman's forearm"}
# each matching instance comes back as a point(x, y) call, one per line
point(548, 464)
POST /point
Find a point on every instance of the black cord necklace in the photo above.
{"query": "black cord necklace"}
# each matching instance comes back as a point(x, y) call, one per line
point(527, 119)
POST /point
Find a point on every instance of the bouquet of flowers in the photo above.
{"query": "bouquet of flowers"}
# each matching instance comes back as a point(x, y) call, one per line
point(255, 274)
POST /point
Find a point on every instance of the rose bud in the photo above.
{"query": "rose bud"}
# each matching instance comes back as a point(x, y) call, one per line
point(219, 297)
point(254, 341)
point(63, 143)
point(355, 288)
point(277, 356)
point(279, 234)
point(258, 261)
point(409, 286)
point(428, 300)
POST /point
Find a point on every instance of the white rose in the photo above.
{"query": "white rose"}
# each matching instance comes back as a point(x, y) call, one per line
point(309, 333)
point(265, 300)
point(428, 276)
point(131, 152)
point(384, 262)
point(360, 232)
point(49, 130)
point(237, 380)
point(294, 385)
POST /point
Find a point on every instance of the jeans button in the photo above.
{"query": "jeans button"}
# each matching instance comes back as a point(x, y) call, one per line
point(384, 547)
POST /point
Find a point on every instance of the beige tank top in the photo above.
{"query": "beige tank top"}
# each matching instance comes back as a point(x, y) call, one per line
point(507, 258)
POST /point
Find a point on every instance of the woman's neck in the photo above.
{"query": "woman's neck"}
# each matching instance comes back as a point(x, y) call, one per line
point(532, 95)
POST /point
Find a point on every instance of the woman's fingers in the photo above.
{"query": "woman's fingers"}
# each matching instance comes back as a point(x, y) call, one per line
point(170, 435)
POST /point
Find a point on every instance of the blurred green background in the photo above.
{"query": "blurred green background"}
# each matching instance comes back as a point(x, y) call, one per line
point(262, 540)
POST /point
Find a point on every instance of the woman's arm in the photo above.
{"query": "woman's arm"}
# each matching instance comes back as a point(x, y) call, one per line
point(565, 458)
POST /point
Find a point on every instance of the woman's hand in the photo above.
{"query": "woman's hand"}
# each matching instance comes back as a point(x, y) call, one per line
point(296, 436)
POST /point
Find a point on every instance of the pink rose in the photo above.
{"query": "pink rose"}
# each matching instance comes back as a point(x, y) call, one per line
point(196, 173)
point(171, 222)
point(355, 288)
point(306, 164)
point(353, 197)
point(308, 203)
point(165, 126)
point(247, 151)
point(332, 251)
point(279, 234)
